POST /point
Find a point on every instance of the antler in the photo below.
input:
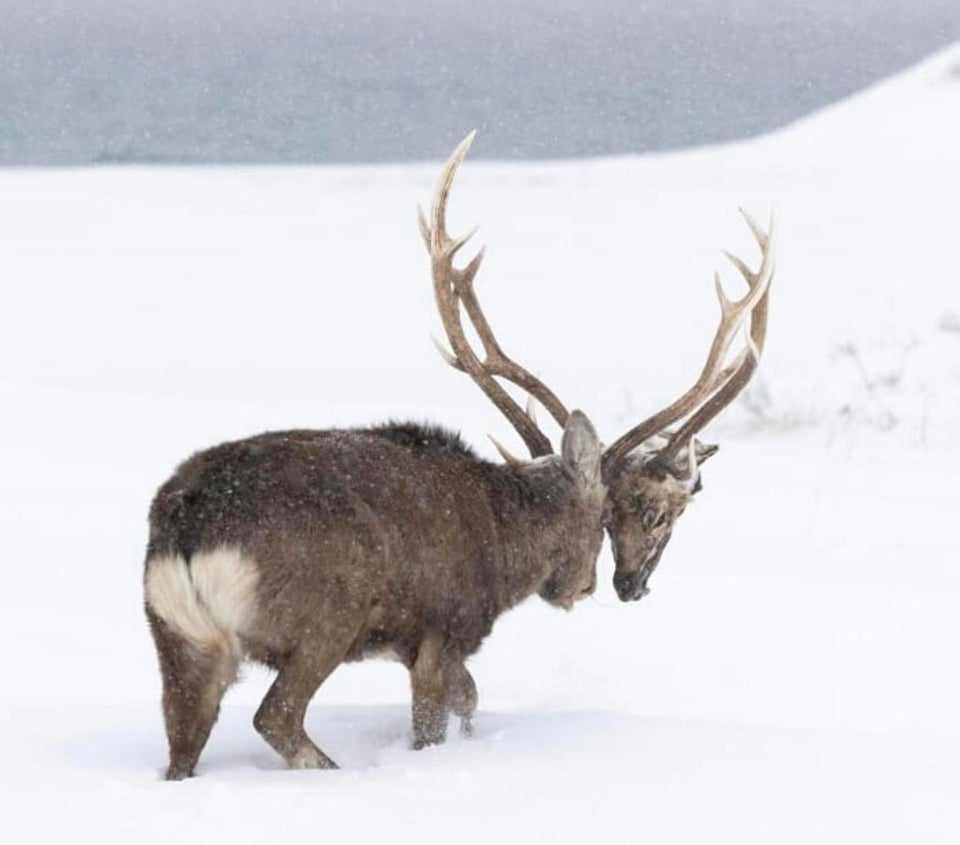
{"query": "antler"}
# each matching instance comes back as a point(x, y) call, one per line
point(453, 286)
point(717, 386)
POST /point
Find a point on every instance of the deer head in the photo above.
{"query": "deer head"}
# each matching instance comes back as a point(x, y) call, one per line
point(650, 474)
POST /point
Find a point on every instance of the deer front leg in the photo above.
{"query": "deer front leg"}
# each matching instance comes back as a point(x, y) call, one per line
point(461, 695)
point(427, 679)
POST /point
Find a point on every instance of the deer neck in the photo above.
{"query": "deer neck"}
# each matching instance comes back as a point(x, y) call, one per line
point(535, 510)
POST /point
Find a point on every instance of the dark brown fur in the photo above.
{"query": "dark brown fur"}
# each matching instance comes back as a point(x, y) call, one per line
point(394, 538)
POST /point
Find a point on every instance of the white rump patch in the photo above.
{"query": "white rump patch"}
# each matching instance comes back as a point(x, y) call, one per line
point(208, 602)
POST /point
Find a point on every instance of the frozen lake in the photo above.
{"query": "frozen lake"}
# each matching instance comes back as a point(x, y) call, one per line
point(329, 81)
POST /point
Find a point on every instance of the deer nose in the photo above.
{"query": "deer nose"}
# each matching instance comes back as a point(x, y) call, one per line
point(623, 583)
point(630, 586)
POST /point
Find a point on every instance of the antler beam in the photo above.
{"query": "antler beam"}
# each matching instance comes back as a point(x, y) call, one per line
point(453, 286)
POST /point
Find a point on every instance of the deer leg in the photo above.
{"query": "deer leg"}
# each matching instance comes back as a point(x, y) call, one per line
point(429, 693)
point(461, 695)
point(279, 719)
point(194, 682)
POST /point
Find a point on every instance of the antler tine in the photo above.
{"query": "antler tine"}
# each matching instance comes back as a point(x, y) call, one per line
point(440, 241)
point(451, 287)
point(507, 456)
point(763, 238)
point(715, 380)
point(532, 408)
point(741, 265)
point(447, 356)
point(424, 228)
point(693, 471)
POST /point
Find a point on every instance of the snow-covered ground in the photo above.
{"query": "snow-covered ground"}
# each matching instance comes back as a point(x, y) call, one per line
point(791, 678)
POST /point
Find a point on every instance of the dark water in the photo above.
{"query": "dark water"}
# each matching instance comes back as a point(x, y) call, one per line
point(321, 80)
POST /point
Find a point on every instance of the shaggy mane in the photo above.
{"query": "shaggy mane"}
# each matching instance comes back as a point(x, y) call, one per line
point(425, 438)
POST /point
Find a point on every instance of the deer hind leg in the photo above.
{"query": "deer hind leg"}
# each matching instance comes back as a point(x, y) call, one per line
point(194, 681)
point(429, 687)
point(279, 719)
point(461, 695)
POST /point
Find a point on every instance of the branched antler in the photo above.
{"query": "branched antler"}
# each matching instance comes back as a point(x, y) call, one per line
point(713, 390)
point(717, 385)
point(453, 286)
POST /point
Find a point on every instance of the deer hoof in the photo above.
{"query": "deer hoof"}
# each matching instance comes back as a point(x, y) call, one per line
point(311, 758)
point(425, 742)
point(178, 772)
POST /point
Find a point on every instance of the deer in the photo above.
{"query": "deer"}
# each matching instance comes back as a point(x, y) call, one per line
point(305, 549)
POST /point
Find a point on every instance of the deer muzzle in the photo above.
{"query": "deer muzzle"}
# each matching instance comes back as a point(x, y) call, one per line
point(632, 586)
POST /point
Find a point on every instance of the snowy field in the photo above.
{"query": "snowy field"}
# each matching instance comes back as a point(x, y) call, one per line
point(793, 675)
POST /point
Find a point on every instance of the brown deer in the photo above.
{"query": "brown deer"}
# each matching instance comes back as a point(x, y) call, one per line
point(305, 549)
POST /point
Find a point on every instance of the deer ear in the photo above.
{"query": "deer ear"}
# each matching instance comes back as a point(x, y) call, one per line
point(581, 447)
point(704, 451)
point(681, 463)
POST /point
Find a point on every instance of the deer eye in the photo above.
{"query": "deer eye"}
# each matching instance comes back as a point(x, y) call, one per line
point(653, 518)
